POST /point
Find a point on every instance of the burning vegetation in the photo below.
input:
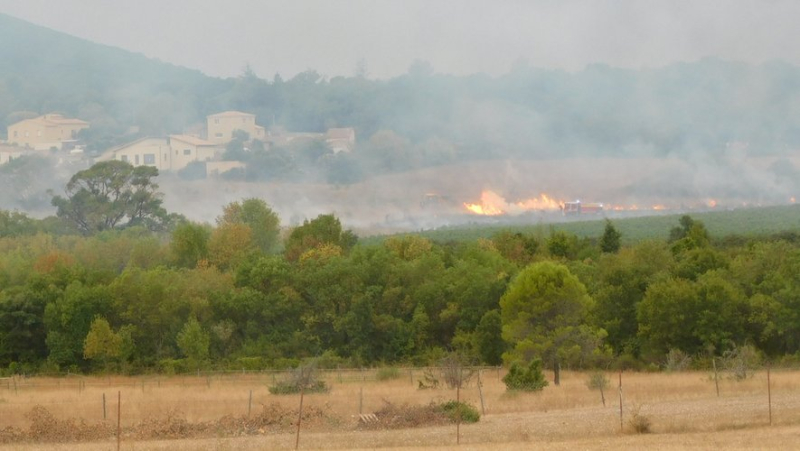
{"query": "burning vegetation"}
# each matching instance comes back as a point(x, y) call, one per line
point(493, 204)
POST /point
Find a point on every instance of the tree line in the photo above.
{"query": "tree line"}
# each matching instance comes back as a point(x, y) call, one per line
point(244, 293)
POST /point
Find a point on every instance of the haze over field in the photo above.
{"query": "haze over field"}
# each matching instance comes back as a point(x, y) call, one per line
point(638, 105)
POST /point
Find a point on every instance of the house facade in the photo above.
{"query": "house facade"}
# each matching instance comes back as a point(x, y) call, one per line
point(45, 132)
point(166, 154)
point(187, 149)
point(341, 139)
point(220, 126)
point(8, 153)
point(145, 151)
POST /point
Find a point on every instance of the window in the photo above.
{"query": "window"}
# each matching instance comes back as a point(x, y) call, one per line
point(218, 135)
point(137, 160)
point(124, 158)
point(15, 133)
point(216, 121)
point(149, 158)
point(165, 157)
point(187, 151)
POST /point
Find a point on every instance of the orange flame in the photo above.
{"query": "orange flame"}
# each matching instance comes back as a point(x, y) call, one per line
point(543, 202)
point(493, 204)
point(711, 203)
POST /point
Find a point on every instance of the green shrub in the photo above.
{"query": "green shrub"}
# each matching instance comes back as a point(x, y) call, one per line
point(292, 387)
point(302, 378)
point(469, 414)
point(524, 378)
point(329, 359)
point(387, 373)
point(251, 363)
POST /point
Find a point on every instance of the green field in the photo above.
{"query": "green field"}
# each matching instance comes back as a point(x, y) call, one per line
point(745, 222)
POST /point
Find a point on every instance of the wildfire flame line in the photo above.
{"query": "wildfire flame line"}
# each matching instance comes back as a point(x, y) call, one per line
point(493, 204)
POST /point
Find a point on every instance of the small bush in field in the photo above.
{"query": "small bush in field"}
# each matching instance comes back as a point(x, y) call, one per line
point(392, 416)
point(677, 361)
point(387, 373)
point(598, 381)
point(290, 388)
point(639, 423)
point(741, 361)
point(303, 378)
point(525, 378)
point(468, 413)
point(454, 372)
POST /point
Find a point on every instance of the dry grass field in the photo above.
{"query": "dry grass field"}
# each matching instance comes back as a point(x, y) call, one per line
point(683, 410)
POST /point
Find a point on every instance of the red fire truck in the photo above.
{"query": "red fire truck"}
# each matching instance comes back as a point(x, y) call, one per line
point(581, 208)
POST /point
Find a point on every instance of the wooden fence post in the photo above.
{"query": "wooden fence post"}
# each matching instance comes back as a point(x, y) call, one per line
point(716, 380)
point(480, 392)
point(250, 404)
point(361, 400)
point(458, 408)
point(620, 401)
point(119, 418)
point(769, 395)
point(299, 419)
point(104, 406)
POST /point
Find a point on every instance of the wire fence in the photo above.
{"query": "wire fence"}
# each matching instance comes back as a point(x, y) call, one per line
point(688, 401)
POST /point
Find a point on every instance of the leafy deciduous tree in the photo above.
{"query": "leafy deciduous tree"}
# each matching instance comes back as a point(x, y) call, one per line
point(112, 194)
point(255, 213)
point(193, 341)
point(101, 342)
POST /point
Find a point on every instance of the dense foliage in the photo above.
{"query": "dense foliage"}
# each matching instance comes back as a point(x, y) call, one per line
point(138, 300)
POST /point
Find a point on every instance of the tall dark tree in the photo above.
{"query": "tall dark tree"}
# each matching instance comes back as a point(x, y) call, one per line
point(112, 194)
point(610, 241)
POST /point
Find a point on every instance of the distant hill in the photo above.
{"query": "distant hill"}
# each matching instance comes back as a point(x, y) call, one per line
point(710, 114)
point(708, 106)
point(44, 70)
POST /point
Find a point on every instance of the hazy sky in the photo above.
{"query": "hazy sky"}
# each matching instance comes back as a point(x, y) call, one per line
point(459, 37)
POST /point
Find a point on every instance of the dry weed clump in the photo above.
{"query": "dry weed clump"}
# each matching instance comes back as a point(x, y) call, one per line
point(639, 423)
point(171, 426)
point(44, 427)
point(273, 418)
point(393, 416)
point(11, 434)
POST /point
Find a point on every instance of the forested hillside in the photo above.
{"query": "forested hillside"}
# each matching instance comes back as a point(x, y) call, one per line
point(695, 108)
